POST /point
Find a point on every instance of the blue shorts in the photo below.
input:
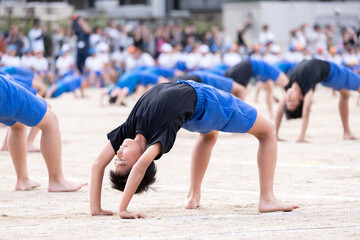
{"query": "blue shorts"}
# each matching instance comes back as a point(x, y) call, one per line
point(285, 66)
point(217, 81)
point(19, 105)
point(341, 78)
point(161, 71)
point(219, 69)
point(128, 80)
point(147, 78)
point(67, 84)
point(264, 71)
point(219, 110)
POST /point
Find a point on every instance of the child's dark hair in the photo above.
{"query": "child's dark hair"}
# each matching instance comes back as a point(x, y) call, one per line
point(112, 100)
point(296, 113)
point(119, 181)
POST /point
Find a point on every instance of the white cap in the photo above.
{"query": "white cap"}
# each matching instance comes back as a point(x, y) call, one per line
point(275, 48)
point(166, 47)
point(66, 47)
point(204, 48)
point(102, 47)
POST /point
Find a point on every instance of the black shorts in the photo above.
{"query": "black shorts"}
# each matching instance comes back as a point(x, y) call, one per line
point(241, 72)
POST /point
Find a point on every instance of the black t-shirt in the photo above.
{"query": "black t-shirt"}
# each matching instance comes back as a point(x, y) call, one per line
point(241, 72)
point(158, 116)
point(308, 73)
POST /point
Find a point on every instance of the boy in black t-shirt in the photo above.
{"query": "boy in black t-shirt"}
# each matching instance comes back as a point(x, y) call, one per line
point(300, 90)
point(151, 129)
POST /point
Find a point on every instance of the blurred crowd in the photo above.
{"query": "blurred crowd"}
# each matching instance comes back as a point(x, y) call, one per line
point(103, 54)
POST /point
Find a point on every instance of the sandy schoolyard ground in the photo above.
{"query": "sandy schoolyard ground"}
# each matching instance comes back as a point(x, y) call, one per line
point(322, 176)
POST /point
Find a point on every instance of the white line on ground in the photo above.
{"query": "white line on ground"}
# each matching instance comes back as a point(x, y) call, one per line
point(59, 225)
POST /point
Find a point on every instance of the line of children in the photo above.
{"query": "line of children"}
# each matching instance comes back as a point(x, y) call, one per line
point(264, 72)
point(300, 91)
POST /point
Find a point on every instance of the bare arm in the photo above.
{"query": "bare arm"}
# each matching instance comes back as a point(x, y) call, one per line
point(84, 26)
point(278, 117)
point(97, 174)
point(282, 81)
point(136, 175)
point(305, 114)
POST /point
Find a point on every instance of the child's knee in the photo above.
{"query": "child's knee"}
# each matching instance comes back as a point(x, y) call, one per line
point(49, 120)
point(264, 129)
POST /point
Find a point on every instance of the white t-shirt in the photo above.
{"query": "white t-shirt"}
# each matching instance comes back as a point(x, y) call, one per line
point(335, 59)
point(114, 34)
point(206, 61)
point(28, 62)
point(231, 59)
point(264, 37)
point(35, 42)
point(94, 63)
point(192, 60)
point(118, 58)
point(350, 59)
point(41, 64)
point(272, 58)
point(10, 61)
point(64, 64)
point(144, 60)
point(166, 60)
point(105, 58)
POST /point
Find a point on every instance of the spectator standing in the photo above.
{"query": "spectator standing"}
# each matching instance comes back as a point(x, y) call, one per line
point(82, 31)
point(36, 36)
point(266, 35)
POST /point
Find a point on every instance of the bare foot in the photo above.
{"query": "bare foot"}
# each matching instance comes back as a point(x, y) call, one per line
point(349, 136)
point(65, 186)
point(24, 185)
point(192, 202)
point(32, 148)
point(274, 204)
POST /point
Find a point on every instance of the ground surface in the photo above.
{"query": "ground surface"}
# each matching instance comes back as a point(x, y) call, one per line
point(322, 176)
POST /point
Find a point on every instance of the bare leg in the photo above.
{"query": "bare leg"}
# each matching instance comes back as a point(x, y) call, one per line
point(30, 141)
point(50, 145)
point(121, 95)
point(31, 138)
point(264, 131)
point(39, 85)
point(358, 100)
point(344, 114)
point(238, 90)
point(92, 78)
point(50, 91)
point(199, 161)
point(269, 98)
point(4, 147)
point(17, 148)
point(258, 87)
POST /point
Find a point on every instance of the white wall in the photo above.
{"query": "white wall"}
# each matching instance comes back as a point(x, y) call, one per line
point(283, 16)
